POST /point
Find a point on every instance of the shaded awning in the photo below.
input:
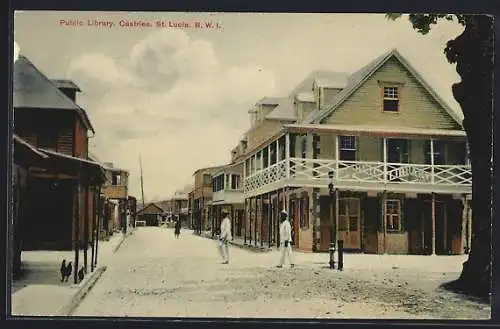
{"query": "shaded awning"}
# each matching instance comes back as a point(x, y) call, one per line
point(25, 154)
point(64, 166)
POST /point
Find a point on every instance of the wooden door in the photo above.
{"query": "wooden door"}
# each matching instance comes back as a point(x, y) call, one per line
point(349, 222)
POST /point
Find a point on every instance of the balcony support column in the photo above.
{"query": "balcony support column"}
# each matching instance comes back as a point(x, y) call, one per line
point(256, 216)
point(432, 160)
point(269, 220)
point(337, 157)
point(269, 155)
point(278, 150)
point(385, 158)
point(287, 154)
point(246, 222)
point(433, 220)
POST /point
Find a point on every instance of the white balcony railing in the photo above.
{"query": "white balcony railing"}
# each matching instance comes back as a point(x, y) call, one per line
point(361, 172)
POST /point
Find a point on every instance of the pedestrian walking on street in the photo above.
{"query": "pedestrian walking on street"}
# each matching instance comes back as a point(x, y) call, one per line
point(285, 240)
point(177, 230)
point(225, 236)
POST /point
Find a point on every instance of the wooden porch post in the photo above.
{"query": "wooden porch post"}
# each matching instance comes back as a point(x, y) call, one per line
point(445, 227)
point(269, 219)
point(94, 191)
point(337, 214)
point(278, 150)
point(77, 233)
point(100, 209)
point(269, 155)
point(256, 214)
point(337, 157)
point(287, 154)
point(277, 214)
point(86, 229)
point(246, 222)
point(469, 226)
point(262, 220)
point(433, 219)
point(384, 222)
point(250, 217)
point(233, 221)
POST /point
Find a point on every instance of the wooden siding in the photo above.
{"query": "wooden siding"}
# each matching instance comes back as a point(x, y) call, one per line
point(31, 124)
point(81, 140)
point(370, 148)
point(417, 108)
point(262, 131)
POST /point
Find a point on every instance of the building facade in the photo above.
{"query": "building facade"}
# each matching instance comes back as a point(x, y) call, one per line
point(394, 153)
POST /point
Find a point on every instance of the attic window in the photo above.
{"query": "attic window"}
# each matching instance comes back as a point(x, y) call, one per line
point(116, 179)
point(391, 99)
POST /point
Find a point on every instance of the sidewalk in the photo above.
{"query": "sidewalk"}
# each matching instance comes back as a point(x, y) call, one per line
point(40, 292)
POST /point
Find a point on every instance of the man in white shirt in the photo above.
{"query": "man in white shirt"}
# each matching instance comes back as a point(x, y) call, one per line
point(225, 236)
point(285, 239)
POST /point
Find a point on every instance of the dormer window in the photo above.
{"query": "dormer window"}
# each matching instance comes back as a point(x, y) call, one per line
point(116, 179)
point(391, 99)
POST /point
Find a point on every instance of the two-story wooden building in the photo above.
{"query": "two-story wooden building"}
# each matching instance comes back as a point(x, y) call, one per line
point(59, 206)
point(394, 151)
point(115, 188)
point(200, 199)
point(227, 194)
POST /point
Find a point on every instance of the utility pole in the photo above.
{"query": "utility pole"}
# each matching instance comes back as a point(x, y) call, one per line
point(142, 182)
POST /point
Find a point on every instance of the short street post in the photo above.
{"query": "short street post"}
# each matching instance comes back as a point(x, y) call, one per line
point(331, 250)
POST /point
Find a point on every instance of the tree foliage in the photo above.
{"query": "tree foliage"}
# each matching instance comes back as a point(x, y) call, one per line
point(472, 51)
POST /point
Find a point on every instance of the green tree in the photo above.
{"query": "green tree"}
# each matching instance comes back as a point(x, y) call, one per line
point(472, 51)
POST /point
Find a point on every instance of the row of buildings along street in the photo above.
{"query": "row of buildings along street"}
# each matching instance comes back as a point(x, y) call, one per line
point(64, 198)
point(394, 153)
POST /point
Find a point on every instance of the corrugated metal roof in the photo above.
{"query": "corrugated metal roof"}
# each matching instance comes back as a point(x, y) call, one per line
point(65, 83)
point(305, 97)
point(19, 140)
point(285, 109)
point(359, 77)
point(32, 89)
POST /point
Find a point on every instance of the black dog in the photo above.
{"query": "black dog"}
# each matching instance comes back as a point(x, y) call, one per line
point(81, 274)
point(67, 272)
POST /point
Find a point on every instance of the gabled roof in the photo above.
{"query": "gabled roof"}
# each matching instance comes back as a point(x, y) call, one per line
point(268, 101)
point(208, 169)
point(357, 79)
point(151, 205)
point(32, 89)
point(336, 80)
point(66, 84)
point(285, 109)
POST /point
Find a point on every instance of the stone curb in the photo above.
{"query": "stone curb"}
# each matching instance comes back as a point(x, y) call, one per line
point(68, 309)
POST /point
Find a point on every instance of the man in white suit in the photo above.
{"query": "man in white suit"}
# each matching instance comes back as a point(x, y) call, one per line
point(225, 236)
point(285, 239)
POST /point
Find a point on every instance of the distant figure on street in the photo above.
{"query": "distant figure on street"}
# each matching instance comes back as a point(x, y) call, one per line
point(81, 274)
point(177, 229)
point(225, 236)
point(63, 270)
point(285, 239)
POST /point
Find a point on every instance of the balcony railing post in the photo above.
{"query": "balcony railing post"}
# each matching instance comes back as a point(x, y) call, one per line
point(287, 154)
point(432, 160)
point(337, 157)
point(385, 159)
